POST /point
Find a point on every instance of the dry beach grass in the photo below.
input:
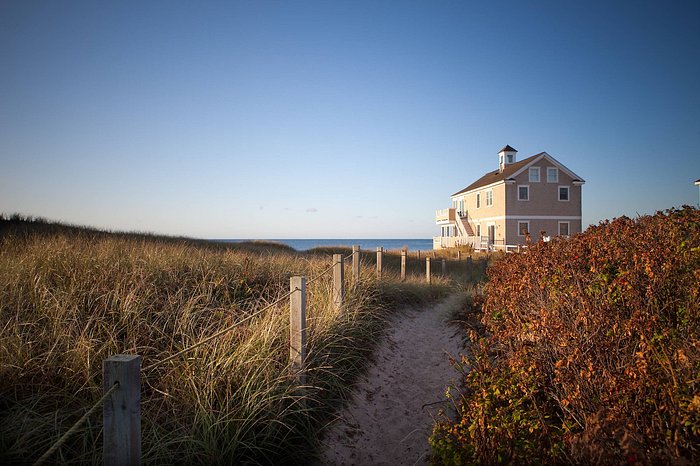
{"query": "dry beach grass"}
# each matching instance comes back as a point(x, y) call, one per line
point(71, 297)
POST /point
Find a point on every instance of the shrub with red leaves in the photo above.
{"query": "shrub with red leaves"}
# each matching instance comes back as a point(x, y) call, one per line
point(597, 340)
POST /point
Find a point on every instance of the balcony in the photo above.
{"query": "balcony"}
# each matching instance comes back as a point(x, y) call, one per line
point(445, 216)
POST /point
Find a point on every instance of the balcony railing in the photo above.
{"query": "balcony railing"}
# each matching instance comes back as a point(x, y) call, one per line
point(445, 216)
point(442, 242)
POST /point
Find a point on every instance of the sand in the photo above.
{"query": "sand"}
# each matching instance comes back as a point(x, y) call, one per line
point(387, 421)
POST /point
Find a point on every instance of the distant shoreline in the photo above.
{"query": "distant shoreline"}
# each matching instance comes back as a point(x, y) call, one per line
point(365, 244)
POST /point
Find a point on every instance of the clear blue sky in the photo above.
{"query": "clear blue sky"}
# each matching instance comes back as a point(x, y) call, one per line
point(271, 119)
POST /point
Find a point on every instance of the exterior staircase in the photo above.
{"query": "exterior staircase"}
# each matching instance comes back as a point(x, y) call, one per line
point(462, 222)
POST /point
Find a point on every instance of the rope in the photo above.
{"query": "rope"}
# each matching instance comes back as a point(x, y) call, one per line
point(231, 327)
point(219, 333)
point(75, 427)
point(311, 280)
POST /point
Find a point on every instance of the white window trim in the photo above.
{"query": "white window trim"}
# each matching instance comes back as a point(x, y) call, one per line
point(528, 191)
point(490, 191)
point(568, 228)
point(531, 171)
point(557, 172)
point(568, 190)
point(518, 226)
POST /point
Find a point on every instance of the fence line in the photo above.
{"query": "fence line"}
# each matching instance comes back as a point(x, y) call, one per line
point(297, 354)
point(107, 394)
point(236, 324)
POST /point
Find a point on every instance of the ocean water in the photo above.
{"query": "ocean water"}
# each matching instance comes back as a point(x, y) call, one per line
point(365, 244)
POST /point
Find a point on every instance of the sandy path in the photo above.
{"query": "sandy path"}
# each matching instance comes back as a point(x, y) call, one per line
point(386, 421)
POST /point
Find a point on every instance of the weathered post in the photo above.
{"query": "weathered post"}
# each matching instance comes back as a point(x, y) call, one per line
point(297, 326)
point(338, 281)
point(470, 268)
point(459, 255)
point(418, 254)
point(434, 254)
point(444, 267)
point(403, 264)
point(122, 410)
point(380, 253)
point(427, 270)
point(356, 264)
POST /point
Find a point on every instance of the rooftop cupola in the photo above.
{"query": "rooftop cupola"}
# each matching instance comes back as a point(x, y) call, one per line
point(506, 156)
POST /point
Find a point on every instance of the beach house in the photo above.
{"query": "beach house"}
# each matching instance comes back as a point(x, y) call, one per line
point(522, 200)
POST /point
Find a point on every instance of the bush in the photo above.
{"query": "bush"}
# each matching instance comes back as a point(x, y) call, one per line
point(591, 351)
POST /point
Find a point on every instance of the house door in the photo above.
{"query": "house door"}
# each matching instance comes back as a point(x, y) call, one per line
point(492, 233)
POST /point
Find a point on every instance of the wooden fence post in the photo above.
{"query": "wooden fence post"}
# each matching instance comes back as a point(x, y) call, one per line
point(297, 326)
point(418, 254)
point(459, 255)
point(444, 267)
point(434, 254)
point(403, 264)
point(427, 270)
point(470, 268)
point(338, 281)
point(356, 264)
point(122, 410)
point(380, 253)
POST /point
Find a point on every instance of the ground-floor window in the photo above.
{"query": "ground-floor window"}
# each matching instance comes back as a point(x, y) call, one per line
point(563, 228)
point(447, 231)
point(523, 228)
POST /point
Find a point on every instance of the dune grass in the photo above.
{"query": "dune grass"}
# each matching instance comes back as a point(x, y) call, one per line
point(71, 297)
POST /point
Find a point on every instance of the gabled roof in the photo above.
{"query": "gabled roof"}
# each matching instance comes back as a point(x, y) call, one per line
point(513, 170)
point(507, 149)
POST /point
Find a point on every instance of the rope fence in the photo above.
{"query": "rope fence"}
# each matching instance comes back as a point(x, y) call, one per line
point(121, 433)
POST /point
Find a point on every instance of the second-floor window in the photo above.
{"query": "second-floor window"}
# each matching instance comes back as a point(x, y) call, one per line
point(534, 174)
point(552, 175)
point(563, 193)
point(523, 193)
point(489, 198)
point(478, 200)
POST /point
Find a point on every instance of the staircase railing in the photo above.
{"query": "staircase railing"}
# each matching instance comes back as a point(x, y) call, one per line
point(463, 227)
